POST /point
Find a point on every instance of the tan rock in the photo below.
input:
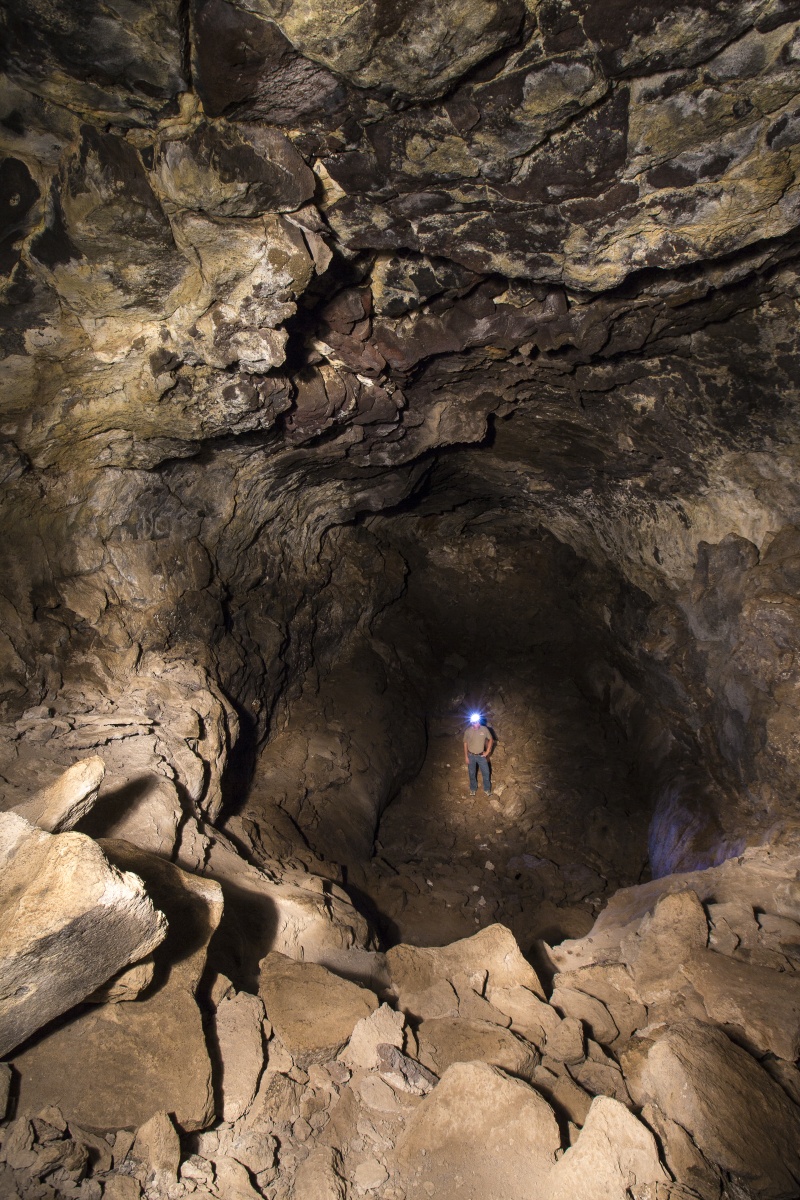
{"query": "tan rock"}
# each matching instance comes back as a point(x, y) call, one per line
point(384, 1026)
point(566, 1042)
point(60, 806)
point(239, 1042)
point(600, 1075)
point(68, 922)
point(676, 929)
point(590, 1011)
point(530, 1016)
point(764, 1004)
point(738, 1117)
point(318, 1177)
point(685, 1162)
point(563, 1092)
point(614, 1154)
point(129, 984)
point(447, 1040)
point(313, 1011)
point(478, 1134)
point(233, 1180)
point(415, 969)
point(149, 1055)
point(157, 1144)
point(612, 984)
point(121, 1187)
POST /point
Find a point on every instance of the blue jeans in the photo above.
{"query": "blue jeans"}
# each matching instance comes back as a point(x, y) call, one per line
point(475, 761)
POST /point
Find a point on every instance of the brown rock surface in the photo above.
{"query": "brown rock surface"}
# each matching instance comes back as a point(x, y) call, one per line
point(481, 1132)
point(446, 1040)
point(70, 922)
point(148, 1055)
point(737, 1116)
point(312, 1011)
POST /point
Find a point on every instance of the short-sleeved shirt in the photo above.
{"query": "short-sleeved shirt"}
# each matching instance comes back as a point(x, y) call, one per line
point(476, 739)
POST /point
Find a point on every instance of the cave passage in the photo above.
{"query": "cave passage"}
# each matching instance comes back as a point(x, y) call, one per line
point(502, 618)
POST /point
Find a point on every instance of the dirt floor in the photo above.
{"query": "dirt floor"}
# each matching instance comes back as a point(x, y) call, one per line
point(563, 829)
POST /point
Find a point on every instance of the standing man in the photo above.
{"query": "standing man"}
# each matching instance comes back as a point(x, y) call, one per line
point(478, 743)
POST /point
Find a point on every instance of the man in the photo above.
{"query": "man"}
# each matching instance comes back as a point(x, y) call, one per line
point(478, 743)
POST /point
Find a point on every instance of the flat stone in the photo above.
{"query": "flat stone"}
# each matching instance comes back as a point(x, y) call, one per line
point(590, 1011)
point(382, 1026)
point(238, 1023)
point(68, 921)
point(157, 1144)
point(60, 806)
point(614, 1154)
point(369, 1175)
point(531, 1017)
point(478, 1134)
point(147, 1056)
point(447, 1040)
point(566, 1042)
point(415, 969)
point(741, 1120)
point(404, 1073)
point(763, 1003)
point(319, 1176)
point(313, 1011)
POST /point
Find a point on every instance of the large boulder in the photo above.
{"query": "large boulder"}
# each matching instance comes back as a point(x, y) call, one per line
point(614, 1154)
point(478, 1134)
point(312, 1011)
point(491, 958)
point(61, 806)
point(735, 1113)
point(68, 922)
point(449, 1040)
point(117, 1064)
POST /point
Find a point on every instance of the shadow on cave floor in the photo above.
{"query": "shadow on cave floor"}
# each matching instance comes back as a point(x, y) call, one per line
point(564, 827)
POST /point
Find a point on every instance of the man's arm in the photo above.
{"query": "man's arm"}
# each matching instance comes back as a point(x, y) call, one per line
point(466, 752)
point(487, 750)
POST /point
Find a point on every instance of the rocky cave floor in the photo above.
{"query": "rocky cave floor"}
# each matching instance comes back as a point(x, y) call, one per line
point(563, 829)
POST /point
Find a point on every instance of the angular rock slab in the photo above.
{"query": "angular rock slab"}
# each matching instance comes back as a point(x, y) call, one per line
point(241, 1052)
point(61, 806)
point(68, 922)
point(613, 1153)
point(735, 1113)
point(116, 1065)
point(415, 970)
point(763, 1003)
point(312, 1011)
point(448, 1040)
point(478, 1134)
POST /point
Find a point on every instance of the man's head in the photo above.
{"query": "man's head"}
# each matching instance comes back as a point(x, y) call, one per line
point(475, 718)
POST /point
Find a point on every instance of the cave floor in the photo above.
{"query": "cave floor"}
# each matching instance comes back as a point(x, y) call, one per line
point(564, 827)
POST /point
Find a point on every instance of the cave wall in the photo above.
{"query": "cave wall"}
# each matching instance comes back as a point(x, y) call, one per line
point(268, 269)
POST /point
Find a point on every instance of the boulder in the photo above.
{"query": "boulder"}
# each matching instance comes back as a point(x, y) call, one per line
point(238, 1025)
point(313, 1011)
point(530, 1016)
point(675, 930)
point(612, 984)
point(764, 1004)
point(384, 1026)
point(448, 1040)
point(147, 1056)
point(614, 1154)
point(59, 807)
point(588, 1010)
point(414, 969)
point(740, 1119)
point(68, 922)
point(565, 1042)
point(478, 1134)
point(318, 1177)
point(685, 1162)
point(158, 1146)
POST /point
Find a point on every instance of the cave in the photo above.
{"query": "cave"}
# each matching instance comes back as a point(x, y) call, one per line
point(376, 379)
